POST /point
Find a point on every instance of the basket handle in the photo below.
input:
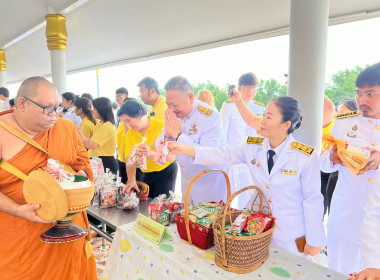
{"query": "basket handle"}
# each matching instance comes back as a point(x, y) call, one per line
point(227, 208)
point(187, 196)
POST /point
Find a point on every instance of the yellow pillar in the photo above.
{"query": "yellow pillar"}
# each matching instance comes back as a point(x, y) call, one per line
point(3, 68)
point(56, 35)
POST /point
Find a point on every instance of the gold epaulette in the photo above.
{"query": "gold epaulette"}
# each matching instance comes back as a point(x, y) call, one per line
point(348, 114)
point(255, 140)
point(259, 103)
point(229, 101)
point(204, 110)
point(302, 148)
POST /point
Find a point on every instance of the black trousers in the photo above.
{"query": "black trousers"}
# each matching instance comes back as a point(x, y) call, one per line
point(110, 163)
point(160, 182)
point(328, 182)
point(123, 172)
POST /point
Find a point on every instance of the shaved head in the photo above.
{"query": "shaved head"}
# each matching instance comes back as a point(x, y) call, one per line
point(29, 87)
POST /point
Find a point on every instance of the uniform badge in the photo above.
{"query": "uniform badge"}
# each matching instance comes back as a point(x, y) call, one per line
point(353, 133)
point(253, 161)
point(193, 129)
point(288, 172)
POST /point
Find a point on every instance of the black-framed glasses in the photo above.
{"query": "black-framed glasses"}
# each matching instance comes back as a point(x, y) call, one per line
point(47, 110)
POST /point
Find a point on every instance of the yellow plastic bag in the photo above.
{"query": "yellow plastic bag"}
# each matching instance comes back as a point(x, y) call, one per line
point(353, 158)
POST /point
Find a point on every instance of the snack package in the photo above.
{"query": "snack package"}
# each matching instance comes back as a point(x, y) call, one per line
point(240, 222)
point(136, 158)
point(57, 171)
point(104, 182)
point(258, 223)
point(162, 152)
point(173, 206)
point(107, 197)
point(97, 166)
point(126, 201)
point(354, 158)
point(144, 191)
point(159, 211)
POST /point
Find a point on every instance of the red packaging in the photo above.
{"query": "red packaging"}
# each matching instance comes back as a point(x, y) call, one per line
point(258, 223)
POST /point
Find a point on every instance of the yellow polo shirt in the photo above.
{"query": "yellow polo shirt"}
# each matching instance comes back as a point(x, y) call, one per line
point(327, 129)
point(120, 141)
point(105, 136)
point(159, 109)
point(135, 137)
point(87, 127)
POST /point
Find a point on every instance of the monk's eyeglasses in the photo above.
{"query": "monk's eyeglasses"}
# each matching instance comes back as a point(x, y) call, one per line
point(47, 110)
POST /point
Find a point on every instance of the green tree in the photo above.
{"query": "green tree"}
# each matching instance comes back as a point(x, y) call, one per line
point(342, 85)
point(269, 89)
point(220, 94)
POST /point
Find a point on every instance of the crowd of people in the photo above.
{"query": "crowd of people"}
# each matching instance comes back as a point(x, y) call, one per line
point(251, 141)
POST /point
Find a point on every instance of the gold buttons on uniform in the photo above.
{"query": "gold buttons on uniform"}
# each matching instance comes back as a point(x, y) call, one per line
point(270, 200)
point(368, 199)
point(187, 178)
point(182, 166)
point(369, 121)
point(373, 143)
point(267, 186)
point(377, 127)
point(370, 180)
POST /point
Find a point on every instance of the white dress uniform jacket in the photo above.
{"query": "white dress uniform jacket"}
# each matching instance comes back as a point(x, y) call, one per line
point(370, 230)
point(236, 131)
point(71, 116)
point(202, 127)
point(351, 191)
point(292, 188)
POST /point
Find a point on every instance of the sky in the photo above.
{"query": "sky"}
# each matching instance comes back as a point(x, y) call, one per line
point(349, 45)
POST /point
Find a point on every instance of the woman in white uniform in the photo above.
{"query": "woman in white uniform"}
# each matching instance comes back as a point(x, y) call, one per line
point(285, 170)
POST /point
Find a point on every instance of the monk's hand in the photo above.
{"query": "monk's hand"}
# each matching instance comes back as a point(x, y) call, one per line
point(311, 250)
point(366, 274)
point(172, 125)
point(131, 186)
point(334, 158)
point(82, 173)
point(28, 212)
point(373, 161)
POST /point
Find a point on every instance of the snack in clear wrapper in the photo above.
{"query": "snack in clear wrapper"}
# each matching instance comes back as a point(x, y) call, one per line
point(126, 201)
point(240, 222)
point(162, 152)
point(159, 211)
point(206, 222)
point(136, 158)
point(107, 197)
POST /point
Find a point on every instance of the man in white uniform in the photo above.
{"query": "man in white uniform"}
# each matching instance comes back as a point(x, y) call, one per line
point(192, 122)
point(237, 130)
point(361, 129)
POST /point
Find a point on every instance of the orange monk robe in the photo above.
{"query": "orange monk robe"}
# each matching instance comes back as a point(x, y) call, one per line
point(22, 254)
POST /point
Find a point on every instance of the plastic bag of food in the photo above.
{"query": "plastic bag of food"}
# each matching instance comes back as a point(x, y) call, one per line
point(136, 158)
point(162, 152)
point(159, 211)
point(126, 201)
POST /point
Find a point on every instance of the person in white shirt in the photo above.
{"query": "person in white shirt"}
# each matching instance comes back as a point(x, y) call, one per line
point(284, 169)
point(4, 96)
point(68, 100)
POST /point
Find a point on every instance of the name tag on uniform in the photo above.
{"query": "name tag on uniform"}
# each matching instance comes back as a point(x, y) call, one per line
point(288, 172)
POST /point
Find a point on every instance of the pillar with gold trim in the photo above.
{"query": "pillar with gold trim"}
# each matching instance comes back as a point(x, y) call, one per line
point(56, 35)
point(3, 68)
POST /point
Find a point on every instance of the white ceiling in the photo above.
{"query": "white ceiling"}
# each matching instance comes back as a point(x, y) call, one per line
point(106, 32)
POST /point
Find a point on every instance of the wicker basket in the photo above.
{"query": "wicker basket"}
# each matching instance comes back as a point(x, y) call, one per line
point(241, 254)
point(192, 232)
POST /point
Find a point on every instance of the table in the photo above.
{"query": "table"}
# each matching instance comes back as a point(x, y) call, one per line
point(115, 217)
point(134, 257)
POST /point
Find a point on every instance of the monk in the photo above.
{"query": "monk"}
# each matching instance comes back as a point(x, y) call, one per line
point(22, 254)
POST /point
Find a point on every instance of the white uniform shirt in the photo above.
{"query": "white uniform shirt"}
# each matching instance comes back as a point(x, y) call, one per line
point(370, 230)
point(71, 116)
point(5, 105)
point(235, 128)
point(351, 191)
point(293, 188)
point(200, 129)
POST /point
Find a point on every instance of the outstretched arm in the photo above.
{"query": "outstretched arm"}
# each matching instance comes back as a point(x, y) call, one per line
point(248, 116)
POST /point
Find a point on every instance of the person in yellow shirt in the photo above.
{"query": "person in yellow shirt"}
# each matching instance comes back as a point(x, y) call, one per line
point(160, 178)
point(83, 109)
point(120, 141)
point(206, 96)
point(102, 143)
point(150, 95)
